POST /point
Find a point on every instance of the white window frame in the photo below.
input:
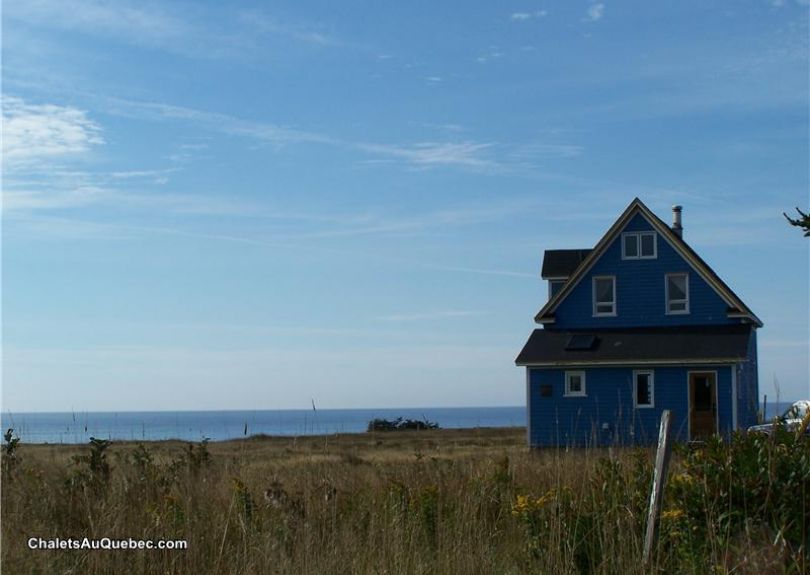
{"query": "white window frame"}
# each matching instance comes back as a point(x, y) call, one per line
point(667, 301)
point(651, 374)
point(638, 236)
point(568, 375)
point(654, 255)
point(596, 312)
point(624, 247)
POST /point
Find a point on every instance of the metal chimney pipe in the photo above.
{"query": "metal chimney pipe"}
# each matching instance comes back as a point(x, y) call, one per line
point(677, 227)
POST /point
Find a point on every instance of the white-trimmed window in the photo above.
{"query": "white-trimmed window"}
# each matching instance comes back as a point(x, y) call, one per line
point(639, 245)
point(643, 388)
point(575, 383)
point(677, 293)
point(604, 295)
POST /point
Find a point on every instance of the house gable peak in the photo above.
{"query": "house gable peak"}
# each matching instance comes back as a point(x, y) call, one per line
point(671, 235)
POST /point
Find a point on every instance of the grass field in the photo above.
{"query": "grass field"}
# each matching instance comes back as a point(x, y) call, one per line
point(438, 501)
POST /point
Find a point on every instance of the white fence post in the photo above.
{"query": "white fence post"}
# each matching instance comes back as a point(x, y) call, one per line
point(659, 479)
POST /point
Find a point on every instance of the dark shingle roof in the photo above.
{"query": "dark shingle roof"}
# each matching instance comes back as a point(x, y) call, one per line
point(632, 346)
point(562, 263)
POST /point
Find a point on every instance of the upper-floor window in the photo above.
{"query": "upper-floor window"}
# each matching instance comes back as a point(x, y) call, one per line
point(677, 293)
point(639, 245)
point(604, 295)
point(554, 286)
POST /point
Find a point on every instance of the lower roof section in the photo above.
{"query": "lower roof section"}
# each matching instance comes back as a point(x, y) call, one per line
point(638, 346)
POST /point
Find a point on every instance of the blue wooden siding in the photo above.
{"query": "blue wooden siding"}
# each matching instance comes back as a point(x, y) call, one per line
point(748, 386)
point(640, 295)
point(562, 421)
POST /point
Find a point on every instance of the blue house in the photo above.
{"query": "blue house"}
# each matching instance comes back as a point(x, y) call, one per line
point(636, 325)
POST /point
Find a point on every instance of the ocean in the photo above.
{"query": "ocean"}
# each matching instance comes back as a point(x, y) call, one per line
point(67, 427)
point(79, 427)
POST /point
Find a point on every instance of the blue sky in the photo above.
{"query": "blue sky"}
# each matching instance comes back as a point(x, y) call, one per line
point(253, 205)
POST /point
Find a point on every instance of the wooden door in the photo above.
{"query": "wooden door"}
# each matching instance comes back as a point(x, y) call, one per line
point(702, 405)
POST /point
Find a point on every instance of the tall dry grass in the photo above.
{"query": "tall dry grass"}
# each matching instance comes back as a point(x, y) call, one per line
point(451, 501)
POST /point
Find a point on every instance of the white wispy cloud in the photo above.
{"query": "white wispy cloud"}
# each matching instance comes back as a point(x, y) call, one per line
point(305, 33)
point(165, 27)
point(466, 154)
point(432, 154)
point(40, 140)
point(493, 53)
point(187, 152)
point(138, 23)
point(43, 212)
point(422, 154)
point(14, 200)
point(525, 16)
point(35, 133)
point(45, 227)
point(159, 177)
point(62, 194)
point(595, 12)
point(214, 121)
point(38, 134)
point(481, 271)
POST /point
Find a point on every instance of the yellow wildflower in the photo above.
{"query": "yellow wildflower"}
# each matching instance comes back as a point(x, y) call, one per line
point(549, 496)
point(672, 515)
point(521, 505)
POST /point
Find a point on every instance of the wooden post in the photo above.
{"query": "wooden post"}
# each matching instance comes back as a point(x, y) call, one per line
point(659, 479)
point(764, 417)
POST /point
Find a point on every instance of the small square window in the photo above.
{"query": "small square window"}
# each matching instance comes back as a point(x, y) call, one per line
point(575, 383)
point(643, 391)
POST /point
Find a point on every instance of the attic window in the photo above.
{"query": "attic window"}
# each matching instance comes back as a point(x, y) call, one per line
point(677, 293)
point(604, 296)
point(580, 342)
point(639, 246)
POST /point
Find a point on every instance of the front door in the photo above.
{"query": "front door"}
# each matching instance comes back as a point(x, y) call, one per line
point(702, 405)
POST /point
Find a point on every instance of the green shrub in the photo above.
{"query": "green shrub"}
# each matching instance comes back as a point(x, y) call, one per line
point(727, 489)
point(400, 424)
point(92, 471)
point(10, 458)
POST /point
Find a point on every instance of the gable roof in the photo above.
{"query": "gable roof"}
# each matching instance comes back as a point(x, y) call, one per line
point(639, 346)
point(736, 306)
point(560, 264)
